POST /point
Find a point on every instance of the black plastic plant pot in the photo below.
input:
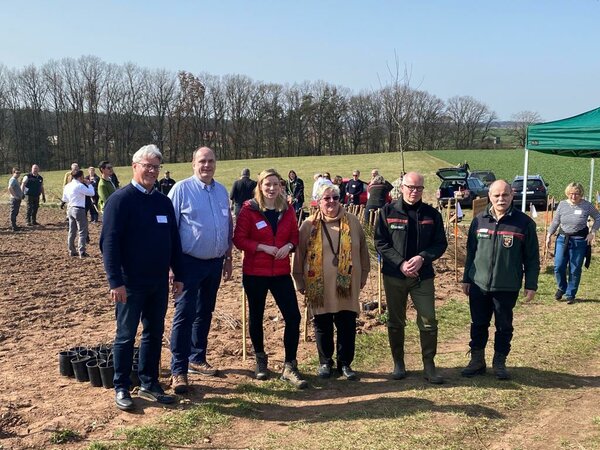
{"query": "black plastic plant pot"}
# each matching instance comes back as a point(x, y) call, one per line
point(77, 349)
point(94, 373)
point(88, 352)
point(105, 353)
point(79, 368)
point(133, 376)
point(107, 373)
point(64, 363)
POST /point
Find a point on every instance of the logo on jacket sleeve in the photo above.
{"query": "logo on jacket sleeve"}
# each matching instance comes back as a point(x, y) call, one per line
point(507, 241)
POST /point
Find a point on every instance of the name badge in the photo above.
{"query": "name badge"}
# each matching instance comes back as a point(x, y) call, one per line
point(397, 226)
point(578, 212)
point(161, 219)
point(260, 225)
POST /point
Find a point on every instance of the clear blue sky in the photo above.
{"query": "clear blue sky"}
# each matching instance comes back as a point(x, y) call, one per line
point(513, 55)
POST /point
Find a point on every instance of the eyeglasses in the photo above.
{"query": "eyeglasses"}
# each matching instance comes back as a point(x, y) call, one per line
point(414, 188)
point(334, 198)
point(149, 167)
point(108, 167)
point(578, 194)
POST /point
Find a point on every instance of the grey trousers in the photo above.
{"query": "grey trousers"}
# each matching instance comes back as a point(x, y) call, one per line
point(78, 224)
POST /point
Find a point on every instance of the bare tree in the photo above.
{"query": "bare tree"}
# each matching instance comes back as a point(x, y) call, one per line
point(470, 120)
point(521, 121)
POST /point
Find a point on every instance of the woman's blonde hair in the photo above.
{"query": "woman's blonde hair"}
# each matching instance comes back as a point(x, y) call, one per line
point(574, 187)
point(280, 202)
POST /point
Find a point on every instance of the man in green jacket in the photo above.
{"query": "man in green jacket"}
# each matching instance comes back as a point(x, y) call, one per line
point(105, 184)
point(502, 249)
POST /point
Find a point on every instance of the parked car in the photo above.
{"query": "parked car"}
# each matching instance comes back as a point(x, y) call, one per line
point(486, 176)
point(537, 191)
point(457, 184)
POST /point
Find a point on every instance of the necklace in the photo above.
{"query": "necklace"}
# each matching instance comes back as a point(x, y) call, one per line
point(335, 259)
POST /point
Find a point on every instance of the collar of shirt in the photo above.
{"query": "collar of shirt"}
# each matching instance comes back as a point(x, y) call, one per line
point(207, 187)
point(141, 188)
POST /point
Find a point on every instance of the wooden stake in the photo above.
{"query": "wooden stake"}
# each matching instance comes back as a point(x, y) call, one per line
point(456, 246)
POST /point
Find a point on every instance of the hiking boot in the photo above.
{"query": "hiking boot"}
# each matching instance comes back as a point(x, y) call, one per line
point(570, 300)
point(477, 364)
point(399, 370)
point(261, 372)
point(558, 295)
point(292, 376)
point(179, 383)
point(202, 368)
point(324, 371)
point(499, 366)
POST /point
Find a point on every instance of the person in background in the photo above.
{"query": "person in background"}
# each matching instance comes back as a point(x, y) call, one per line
point(409, 236)
point(105, 184)
point(242, 190)
point(74, 195)
point(502, 249)
point(331, 266)
point(266, 231)
point(573, 240)
point(205, 227)
point(91, 203)
point(69, 175)
point(114, 179)
point(339, 182)
point(139, 243)
point(16, 196)
point(377, 195)
point(374, 173)
point(166, 183)
point(354, 188)
point(295, 191)
point(33, 187)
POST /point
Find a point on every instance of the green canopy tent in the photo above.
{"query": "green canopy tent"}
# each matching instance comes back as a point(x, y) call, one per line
point(577, 136)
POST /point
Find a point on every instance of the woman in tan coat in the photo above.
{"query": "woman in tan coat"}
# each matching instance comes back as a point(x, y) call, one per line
point(331, 265)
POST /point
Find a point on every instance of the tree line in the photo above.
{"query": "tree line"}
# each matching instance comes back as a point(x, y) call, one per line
point(87, 110)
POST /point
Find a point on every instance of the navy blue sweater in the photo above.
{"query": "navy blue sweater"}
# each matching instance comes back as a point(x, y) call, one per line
point(140, 239)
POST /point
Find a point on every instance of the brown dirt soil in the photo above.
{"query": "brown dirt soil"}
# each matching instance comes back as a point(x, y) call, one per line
point(50, 302)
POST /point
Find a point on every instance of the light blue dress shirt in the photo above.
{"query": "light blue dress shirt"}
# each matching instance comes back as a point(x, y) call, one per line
point(203, 217)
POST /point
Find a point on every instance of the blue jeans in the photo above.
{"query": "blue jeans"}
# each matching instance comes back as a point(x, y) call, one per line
point(483, 305)
point(148, 304)
point(574, 256)
point(193, 312)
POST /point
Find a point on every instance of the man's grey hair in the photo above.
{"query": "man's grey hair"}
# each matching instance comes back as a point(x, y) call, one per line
point(327, 187)
point(147, 152)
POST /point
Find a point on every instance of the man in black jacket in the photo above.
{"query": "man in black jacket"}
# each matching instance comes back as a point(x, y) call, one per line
point(242, 190)
point(409, 236)
point(502, 249)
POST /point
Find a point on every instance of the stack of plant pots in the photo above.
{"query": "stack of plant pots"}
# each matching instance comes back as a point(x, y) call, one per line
point(93, 364)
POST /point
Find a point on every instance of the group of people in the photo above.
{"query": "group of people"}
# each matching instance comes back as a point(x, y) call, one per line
point(183, 243)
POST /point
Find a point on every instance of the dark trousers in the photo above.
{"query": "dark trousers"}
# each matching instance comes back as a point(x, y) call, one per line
point(345, 324)
point(573, 257)
point(92, 207)
point(483, 305)
point(193, 311)
point(148, 304)
point(33, 204)
point(15, 206)
point(282, 289)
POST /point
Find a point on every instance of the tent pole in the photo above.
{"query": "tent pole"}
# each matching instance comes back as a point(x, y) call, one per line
point(525, 174)
point(591, 192)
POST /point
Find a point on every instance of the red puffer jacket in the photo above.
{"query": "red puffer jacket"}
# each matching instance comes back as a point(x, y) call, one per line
point(253, 228)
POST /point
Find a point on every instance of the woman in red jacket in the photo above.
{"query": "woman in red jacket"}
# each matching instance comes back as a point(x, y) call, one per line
point(266, 231)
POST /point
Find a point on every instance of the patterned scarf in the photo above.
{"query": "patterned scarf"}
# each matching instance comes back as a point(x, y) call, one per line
point(314, 275)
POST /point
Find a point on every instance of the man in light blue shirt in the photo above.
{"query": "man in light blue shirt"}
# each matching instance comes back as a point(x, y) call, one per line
point(206, 228)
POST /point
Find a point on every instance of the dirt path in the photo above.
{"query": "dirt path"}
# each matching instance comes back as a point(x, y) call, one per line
point(50, 302)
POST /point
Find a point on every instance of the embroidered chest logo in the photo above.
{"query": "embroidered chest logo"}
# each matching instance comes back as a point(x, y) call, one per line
point(507, 241)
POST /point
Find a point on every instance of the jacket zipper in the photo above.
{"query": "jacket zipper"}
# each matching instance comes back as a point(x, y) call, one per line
point(492, 262)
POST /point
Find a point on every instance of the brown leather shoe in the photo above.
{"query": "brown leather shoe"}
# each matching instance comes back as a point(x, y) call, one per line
point(203, 368)
point(180, 384)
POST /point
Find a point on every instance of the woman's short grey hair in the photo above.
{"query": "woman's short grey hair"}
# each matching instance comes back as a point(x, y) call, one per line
point(147, 152)
point(327, 187)
point(577, 187)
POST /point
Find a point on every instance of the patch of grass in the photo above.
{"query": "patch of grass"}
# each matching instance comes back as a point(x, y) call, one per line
point(64, 436)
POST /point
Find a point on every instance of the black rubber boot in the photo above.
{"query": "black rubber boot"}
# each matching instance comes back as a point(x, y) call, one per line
point(396, 337)
point(499, 366)
point(477, 364)
point(261, 371)
point(428, 350)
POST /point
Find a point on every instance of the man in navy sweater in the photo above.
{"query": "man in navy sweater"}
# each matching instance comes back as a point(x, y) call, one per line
point(140, 243)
